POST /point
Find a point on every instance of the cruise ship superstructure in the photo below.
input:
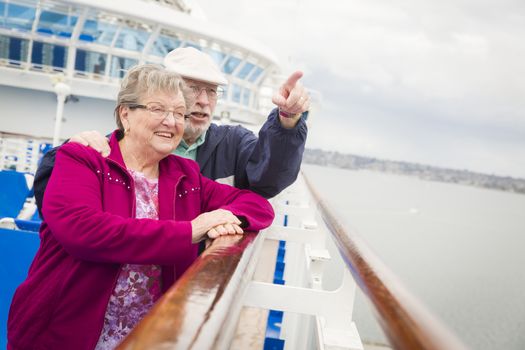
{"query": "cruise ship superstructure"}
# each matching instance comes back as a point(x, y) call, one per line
point(89, 45)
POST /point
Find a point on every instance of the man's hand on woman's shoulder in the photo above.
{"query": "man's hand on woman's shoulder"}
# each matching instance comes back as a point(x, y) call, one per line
point(93, 139)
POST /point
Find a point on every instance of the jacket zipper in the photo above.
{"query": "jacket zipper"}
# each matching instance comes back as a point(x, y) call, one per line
point(133, 210)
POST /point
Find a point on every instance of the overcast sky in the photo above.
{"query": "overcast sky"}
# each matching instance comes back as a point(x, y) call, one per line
point(434, 82)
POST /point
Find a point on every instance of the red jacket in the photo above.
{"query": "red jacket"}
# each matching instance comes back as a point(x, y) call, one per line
point(90, 230)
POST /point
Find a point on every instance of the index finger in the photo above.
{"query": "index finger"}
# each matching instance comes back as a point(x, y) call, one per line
point(293, 79)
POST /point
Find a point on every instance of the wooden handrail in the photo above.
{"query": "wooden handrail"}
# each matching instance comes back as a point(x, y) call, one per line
point(192, 313)
point(405, 321)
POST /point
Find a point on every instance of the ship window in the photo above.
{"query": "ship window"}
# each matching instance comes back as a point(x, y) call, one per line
point(190, 44)
point(99, 32)
point(255, 74)
point(90, 62)
point(224, 92)
point(245, 70)
point(2, 14)
point(57, 23)
point(246, 97)
point(236, 96)
point(132, 39)
point(231, 64)
point(48, 55)
point(14, 49)
point(217, 56)
point(163, 45)
point(19, 17)
point(4, 46)
point(120, 65)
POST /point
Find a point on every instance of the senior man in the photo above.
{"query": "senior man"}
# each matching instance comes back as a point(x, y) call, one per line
point(227, 153)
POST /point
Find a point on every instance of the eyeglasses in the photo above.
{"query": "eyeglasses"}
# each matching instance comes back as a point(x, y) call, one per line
point(213, 94)
point(159, 111)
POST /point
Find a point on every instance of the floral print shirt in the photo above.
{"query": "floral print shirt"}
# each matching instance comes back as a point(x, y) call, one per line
point(138, 287)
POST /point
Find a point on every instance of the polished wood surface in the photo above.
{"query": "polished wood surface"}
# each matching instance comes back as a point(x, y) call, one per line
point(191, 313)
point(405, 321)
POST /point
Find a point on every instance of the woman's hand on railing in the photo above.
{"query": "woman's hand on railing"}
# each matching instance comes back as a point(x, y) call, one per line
point(213, 224)
point(226, 229)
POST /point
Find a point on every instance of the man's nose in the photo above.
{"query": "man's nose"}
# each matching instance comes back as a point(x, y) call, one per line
point(202, 97)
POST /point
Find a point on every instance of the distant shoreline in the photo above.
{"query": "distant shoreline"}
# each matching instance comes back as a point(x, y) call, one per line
point(426, 172)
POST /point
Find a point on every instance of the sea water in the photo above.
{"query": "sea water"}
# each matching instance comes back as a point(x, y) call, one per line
point(459, 249)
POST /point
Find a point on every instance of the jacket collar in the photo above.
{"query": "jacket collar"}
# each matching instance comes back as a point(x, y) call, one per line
point(171, 169)
point(213, 138)
point(115, 154)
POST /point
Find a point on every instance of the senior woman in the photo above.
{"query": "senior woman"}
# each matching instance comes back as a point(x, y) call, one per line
point(119, 231)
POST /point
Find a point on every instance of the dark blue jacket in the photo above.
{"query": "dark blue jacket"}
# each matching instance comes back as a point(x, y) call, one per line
point(265, 165)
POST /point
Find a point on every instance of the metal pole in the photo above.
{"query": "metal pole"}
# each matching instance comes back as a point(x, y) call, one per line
point(62, 90)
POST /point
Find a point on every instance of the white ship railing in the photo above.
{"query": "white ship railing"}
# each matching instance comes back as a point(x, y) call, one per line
point(222, 301)
point(21, 152)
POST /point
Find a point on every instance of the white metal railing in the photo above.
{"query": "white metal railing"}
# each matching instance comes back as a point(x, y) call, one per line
point(20, 152)
point(314, 317)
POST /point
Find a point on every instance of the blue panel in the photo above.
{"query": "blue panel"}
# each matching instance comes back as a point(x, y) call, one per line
point(13, 193)
point(36, 55)
point(273, 328)
point(59, 53)
point(44, 31)
point(15, 49)
point(280, 254)
point(17, 249)
point(273, 344)
point(86, 37)
point(35, 217)
point(28, 225)
point(279, 270)
point(80, 61)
